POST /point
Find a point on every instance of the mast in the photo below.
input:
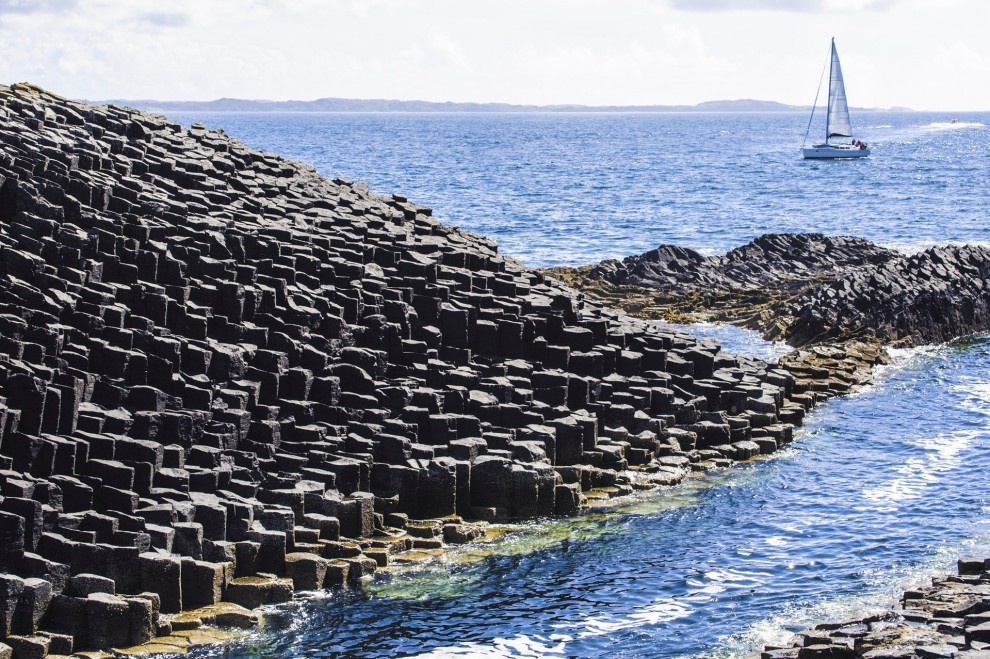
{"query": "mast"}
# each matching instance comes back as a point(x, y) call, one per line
point(831, 64)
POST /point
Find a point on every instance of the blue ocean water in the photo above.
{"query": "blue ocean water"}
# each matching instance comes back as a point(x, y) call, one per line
point(568, 189)
point(880, 489)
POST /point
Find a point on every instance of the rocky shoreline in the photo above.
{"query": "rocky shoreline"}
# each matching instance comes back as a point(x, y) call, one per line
point(949, 618)
point(840, 302)
point(225, 378)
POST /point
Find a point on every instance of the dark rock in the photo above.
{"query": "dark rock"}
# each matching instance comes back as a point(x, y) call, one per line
point(252, 592)
point(33, 605)
point(82, 585)
point(11, 588)
point(232, 358)
point(202, 583)
point(28, 647)
point(108, 621)
point(307, 571)
point(163, 575)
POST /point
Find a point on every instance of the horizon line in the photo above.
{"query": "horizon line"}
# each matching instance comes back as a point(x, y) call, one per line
point(342, 104)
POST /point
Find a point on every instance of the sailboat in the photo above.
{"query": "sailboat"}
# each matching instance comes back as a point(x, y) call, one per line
point(837, 122)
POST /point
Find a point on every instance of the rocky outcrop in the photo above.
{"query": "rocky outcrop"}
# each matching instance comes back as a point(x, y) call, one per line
point(930, 297)
point(779, 262)
point(807, 289)
point(224, 377)
point(950, 618)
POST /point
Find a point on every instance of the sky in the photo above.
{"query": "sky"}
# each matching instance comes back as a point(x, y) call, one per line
point(921, 54)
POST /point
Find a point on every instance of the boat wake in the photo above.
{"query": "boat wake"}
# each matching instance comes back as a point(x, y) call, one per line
point(953, 125)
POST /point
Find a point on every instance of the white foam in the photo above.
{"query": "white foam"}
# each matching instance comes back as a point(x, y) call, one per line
point(886, 586)
point(518, 646)
point(911, 248)
point(903, 358)
point(942, 453)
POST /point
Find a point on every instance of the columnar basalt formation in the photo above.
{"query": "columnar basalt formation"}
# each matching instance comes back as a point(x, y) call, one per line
point(225, 377)
point(841, 301)
point(950, 618)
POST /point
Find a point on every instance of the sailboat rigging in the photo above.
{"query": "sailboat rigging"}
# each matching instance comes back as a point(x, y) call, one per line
point(837, 123)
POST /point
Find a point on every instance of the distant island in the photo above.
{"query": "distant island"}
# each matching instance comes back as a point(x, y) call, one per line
point(384, 105)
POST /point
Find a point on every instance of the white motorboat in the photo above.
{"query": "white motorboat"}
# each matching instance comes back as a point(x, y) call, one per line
point(837, 123)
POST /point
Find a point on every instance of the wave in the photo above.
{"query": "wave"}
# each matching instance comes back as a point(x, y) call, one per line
point(665, 609)
point(939, 453)
point(704, 590)
point(914, 475)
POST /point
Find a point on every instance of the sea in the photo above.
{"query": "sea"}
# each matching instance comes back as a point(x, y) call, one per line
point(881, 489)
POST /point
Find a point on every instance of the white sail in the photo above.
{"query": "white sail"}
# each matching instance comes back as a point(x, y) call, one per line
point(837, 122)
point(838, 108)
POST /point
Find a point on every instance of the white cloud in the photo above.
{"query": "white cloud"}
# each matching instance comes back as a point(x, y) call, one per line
point(813, 6)
point(165, 18)
point(918, 53)
point(36, 6)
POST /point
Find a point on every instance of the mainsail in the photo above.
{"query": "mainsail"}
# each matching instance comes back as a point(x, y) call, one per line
point(838, 109)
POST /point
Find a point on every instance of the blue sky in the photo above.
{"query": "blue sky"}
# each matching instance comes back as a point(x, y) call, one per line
point(923, 54)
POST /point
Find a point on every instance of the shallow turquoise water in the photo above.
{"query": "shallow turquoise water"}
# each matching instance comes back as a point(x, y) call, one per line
point(881, 488)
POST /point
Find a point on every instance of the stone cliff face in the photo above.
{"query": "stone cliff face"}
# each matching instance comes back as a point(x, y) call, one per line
point(223, 376)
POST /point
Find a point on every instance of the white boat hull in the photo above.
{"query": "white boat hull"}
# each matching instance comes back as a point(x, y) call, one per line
point(833, 151)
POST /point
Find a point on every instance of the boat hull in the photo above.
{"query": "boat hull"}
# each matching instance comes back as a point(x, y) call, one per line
point(834, 152)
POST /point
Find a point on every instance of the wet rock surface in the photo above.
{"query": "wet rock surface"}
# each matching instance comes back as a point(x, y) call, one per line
point(224, 377)
point(950, 618)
